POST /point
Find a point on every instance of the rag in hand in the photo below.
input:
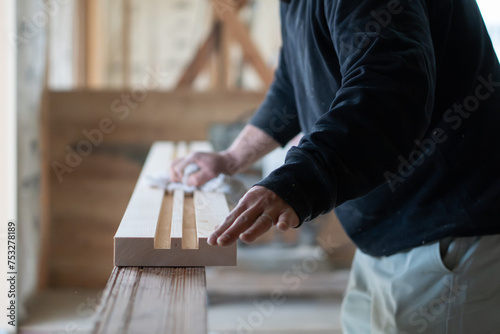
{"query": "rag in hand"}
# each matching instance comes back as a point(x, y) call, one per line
point(232, 187)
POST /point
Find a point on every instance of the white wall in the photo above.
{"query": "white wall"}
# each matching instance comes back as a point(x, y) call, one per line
point(8, 143)
point(31, 24)
point(490, 9)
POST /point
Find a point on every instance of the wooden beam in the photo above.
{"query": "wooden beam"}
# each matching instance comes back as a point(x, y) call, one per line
point(79, 24)
point(191, 224)
point(199, 61)
point(153, 300)
point(223, 61)
point(126, 30)
point(222, 7)
point(241, 34)
point(226, 24)
point(93, 45)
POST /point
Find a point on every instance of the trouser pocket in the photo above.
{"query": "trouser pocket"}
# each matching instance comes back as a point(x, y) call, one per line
point(452, 250)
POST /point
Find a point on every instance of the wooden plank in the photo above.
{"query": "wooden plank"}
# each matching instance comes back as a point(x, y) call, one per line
point(153, 300)
point(161, 116)
point(192, 222)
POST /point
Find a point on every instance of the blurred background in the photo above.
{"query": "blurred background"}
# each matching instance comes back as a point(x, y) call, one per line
point(150, 70)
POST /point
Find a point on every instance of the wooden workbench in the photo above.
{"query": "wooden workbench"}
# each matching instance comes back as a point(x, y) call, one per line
point(153, 300)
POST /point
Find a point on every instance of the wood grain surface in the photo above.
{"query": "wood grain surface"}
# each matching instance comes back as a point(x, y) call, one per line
point(153, 300)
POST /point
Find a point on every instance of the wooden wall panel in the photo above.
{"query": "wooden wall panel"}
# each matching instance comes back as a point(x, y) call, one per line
point(87, 204)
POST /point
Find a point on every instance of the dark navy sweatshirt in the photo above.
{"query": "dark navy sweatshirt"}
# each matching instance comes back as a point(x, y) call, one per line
point(399, 101)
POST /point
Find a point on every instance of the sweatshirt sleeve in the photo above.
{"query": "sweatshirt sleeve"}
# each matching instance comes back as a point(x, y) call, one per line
point(384, 104)
point(277, 115)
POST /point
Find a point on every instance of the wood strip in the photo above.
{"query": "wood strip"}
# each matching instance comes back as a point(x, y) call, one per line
point(141, 217)
point(190, 236)
point(153, 300)
point(176, 234)
point(162, 236)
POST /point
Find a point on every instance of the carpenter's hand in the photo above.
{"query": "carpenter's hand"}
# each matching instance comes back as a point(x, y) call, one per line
point(211, 165)
point(255, 213)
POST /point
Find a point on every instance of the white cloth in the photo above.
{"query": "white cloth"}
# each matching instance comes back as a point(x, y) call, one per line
point(233, 188)
point(447, 287)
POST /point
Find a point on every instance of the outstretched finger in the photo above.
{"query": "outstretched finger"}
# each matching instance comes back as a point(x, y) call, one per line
point(261, 226)
point(287, 220)
point(240, 225)
point(237, 211)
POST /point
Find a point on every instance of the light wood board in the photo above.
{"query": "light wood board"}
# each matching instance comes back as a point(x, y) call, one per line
point(161, 229)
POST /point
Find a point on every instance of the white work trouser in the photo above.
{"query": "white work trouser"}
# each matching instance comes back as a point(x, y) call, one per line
point(446, 287)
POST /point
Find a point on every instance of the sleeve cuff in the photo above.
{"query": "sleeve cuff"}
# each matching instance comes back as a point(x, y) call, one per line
point(302, 185)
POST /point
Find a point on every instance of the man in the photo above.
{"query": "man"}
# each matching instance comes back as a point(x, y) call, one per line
point(399, 101)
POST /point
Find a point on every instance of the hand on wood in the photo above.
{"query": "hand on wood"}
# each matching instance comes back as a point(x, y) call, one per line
point(211, 165)
point(254, 215)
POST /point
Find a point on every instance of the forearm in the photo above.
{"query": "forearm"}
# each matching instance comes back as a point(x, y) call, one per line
point(251, 145)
